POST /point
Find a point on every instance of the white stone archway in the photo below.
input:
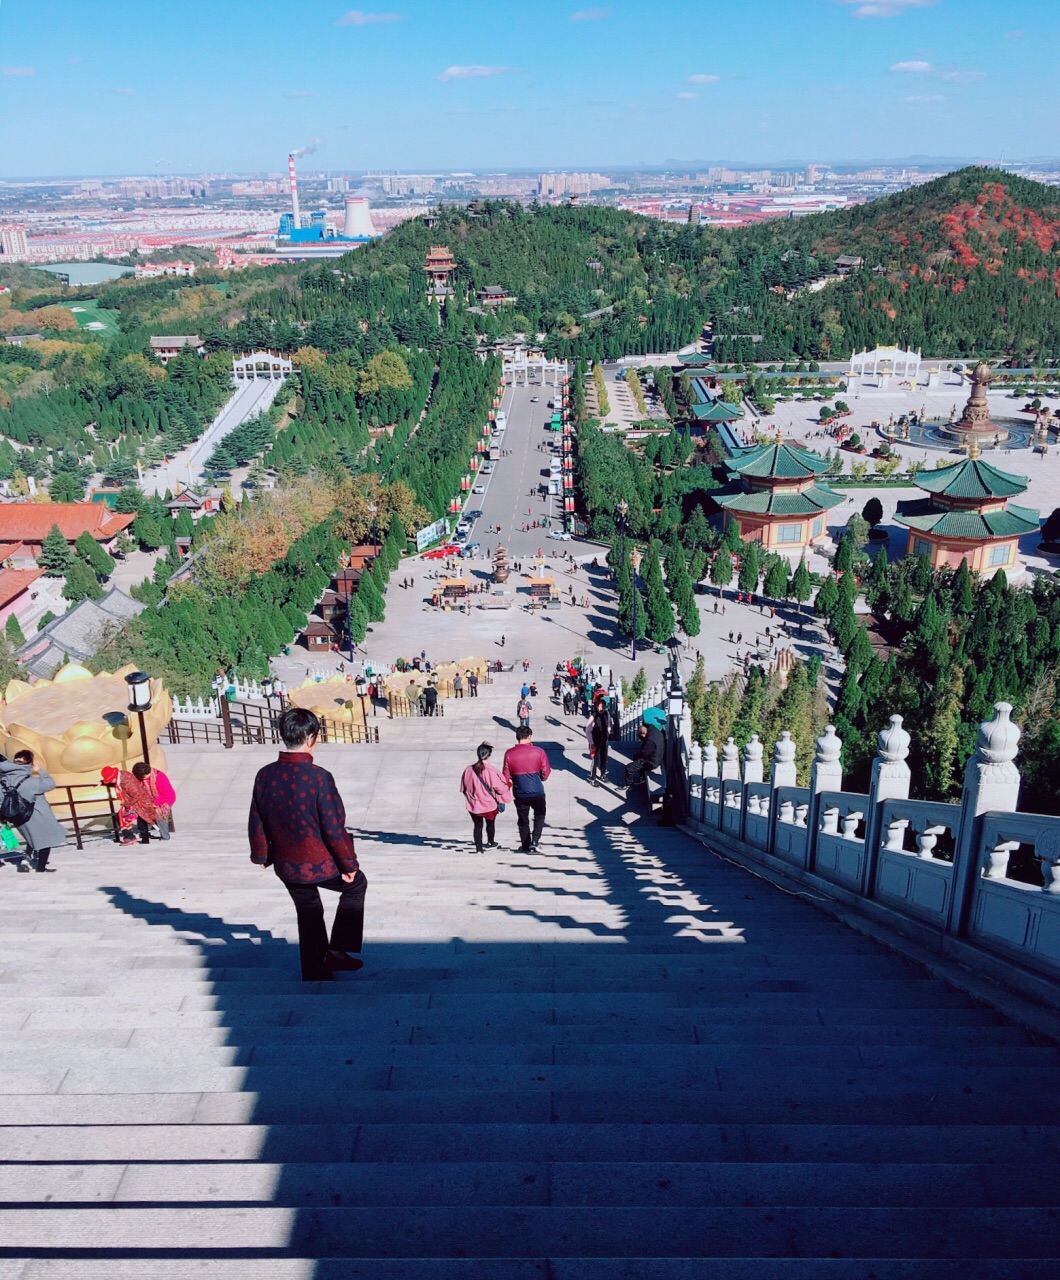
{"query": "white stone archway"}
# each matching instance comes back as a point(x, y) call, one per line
point(261, 364)
point(881, 364)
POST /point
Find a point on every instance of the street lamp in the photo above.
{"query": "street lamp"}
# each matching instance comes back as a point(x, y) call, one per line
point(612, 702)
point(140, 701)
point(344, 564)
point(362, 692)
point(634, 560)
point(623, 512)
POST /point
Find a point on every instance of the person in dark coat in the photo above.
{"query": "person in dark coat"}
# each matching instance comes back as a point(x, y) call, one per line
point(43, 832)
point(298, 827)
point(652, 749)
point(600, 734)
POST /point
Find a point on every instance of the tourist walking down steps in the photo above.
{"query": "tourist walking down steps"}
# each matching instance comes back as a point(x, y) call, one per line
point(526, 769)
point(298, 827)
point(486, 793)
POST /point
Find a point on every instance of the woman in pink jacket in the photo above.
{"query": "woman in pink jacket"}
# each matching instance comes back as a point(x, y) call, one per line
point(485, 793)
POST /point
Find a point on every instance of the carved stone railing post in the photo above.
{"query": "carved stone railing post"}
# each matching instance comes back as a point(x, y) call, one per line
point(782, 774)
point(711, 780)
point(730, 761)
point(752, 760)
point(826, 775)
point(695, 782)
point(991, 783)
point(890, 781)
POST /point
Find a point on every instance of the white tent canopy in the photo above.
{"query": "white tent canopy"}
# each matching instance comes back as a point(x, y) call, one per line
point(885, 360)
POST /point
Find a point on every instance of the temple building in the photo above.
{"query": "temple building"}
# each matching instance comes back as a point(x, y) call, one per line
point(439, 265)
point(968, 516)
point(775, 498)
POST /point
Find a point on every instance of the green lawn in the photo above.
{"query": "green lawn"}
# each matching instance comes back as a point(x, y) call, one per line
point(89, 312)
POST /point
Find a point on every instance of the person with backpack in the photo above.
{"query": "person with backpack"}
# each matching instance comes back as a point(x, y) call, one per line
point(430, 698)
point(522, 712)
point(22, 804)
point(485, 793)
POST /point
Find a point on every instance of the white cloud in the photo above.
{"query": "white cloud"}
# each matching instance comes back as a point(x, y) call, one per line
point(959, 77)
point(355, 18)
point(886, 8)
point(688, 97)
point(21, 72)
point(475, 73)
point(700, 78)
point(301, 93)
point(916, 67)
point(925, 97)
point(590, 15)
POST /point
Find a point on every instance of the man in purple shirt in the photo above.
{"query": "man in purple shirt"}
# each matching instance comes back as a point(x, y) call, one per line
point(525, 769)
point(298, 827)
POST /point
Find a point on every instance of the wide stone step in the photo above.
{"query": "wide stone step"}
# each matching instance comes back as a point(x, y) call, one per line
point(585, 1184)
point(553, 1268)
point(722, 1096)
point(650, 1060)
point(1028, 1146)
point(533, 1231)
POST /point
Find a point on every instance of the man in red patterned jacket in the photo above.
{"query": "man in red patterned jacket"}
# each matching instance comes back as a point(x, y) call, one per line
point(298, 827)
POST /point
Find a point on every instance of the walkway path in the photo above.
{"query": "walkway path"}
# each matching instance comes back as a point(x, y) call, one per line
point(618, 1057)
point(248, 400)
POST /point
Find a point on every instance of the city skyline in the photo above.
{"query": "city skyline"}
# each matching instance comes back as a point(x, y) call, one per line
point(412, 86)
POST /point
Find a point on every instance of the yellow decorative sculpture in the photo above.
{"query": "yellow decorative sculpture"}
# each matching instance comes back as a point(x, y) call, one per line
point(79, 723)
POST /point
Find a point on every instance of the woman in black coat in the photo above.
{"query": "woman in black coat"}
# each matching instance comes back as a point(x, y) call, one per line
point(600, 730)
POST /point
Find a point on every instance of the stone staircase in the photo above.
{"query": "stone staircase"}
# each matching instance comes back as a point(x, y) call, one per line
point(619, 1058)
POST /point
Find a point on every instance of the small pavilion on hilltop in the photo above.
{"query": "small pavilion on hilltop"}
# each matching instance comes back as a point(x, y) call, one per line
point(775, 498)
point(967, 516)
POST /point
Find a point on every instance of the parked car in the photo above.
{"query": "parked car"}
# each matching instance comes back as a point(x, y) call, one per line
point(442, 553)
point(534, 399)
point(561, 535)
point(479, 488)
point(470, 549)
point(473, 515)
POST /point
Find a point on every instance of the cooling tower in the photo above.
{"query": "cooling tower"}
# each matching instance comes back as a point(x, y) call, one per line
point(358, 220)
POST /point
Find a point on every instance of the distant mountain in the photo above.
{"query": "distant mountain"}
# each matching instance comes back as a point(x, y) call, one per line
point(968, 264)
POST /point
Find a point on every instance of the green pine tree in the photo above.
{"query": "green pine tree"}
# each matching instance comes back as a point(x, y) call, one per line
point(801, 586)
point(55, 557)
point(13, 631)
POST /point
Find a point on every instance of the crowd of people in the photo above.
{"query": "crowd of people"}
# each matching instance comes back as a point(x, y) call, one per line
point(29, 829)
point(297, 821)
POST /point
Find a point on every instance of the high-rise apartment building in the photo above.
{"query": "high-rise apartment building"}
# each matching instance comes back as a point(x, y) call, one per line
point(13, 241)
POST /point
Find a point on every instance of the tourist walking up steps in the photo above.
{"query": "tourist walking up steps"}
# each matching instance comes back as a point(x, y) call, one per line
point(23, 786)
point(298, 827)
point(526, 769)
point(600, 734)
point(486, 793)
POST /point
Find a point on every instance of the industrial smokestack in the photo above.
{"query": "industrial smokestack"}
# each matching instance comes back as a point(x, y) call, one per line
point(294, 191)
point(358, 220)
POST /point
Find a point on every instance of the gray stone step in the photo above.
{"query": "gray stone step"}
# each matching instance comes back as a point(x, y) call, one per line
point(402, 1141)
point(512, 1182)
point(536, 1231)
point(554, 1268)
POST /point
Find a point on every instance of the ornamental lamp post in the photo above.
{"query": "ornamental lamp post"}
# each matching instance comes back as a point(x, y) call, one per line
point(362, 692)
point(344, 564)
point(634, 560)
point(623, 511)
point(140, 701)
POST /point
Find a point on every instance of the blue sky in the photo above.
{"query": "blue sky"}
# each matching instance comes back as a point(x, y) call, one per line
point(142, 86)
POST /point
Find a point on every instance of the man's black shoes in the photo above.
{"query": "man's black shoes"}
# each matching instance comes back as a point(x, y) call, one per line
point(338, 961)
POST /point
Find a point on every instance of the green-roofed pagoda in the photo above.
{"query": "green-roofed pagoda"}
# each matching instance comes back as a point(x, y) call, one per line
point(717, 411)
point(968, 516)
point(775, 496)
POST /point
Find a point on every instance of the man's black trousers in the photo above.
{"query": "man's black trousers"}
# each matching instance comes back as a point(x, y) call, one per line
point(522, 809)
point(347, 933)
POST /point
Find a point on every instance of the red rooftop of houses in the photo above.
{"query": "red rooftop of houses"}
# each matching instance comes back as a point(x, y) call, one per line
point(31, 522)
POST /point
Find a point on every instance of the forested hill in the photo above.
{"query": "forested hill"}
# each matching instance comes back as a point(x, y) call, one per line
point(600, 282)
point(968, 264)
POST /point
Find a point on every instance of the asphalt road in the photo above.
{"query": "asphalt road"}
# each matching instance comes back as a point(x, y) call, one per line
point(509, 500)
